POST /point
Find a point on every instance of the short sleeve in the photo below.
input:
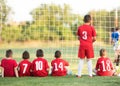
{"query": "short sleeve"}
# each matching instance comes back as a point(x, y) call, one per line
point(111, 64)
point(47, 66)
point(52, 63)
point(97, 65)
point(15, 63)
point(66, 63)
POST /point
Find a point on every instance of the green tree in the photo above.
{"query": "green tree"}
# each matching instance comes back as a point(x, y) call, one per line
point(11, 33)
point(103, 21)
point(58, 21)
point(4, 11)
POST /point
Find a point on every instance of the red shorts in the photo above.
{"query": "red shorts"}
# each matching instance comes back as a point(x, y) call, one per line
point(109, 73)
point(87, 52)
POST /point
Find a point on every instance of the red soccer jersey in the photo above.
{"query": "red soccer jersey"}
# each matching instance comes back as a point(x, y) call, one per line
point(9, 64)
point(24, 68)
point(86, 32)
point(40, 67)
point(58, 67)
point(104, 67)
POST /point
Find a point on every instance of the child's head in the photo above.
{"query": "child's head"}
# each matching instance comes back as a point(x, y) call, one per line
point(112, 29)
point(87, 19)
point(25, 55)
point(39, 53)
point(102, 52)
point(117, 29)
point(57, 54)
point(9, 53)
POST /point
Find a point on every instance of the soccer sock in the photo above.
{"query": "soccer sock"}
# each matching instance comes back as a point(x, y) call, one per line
point(80, 66)
point(89, 63)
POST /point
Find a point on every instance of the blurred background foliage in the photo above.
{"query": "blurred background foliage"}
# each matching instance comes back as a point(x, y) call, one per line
point(54, 22)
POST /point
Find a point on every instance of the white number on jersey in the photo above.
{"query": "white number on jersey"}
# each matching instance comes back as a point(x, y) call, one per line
point(107, 68)
point(25, 67)
point(84, 35)
point(39, 65)
point(58, 66)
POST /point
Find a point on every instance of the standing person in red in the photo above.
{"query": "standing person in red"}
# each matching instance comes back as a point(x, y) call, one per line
point(104, 66)
point(59, 65)
point(24, 68)
point(9, 65)
point(87, 35)
point(40, 66)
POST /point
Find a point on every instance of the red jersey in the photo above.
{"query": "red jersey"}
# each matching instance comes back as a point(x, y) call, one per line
point(104, 67)
point(86, 32)
point(24, 68)
point(40, 67)
point(9, 65)
point(58, 67)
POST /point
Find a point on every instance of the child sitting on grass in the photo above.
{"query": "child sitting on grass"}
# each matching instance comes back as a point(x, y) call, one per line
point(104, 66)
point(59, 65)
point(40, 66)
point(24, 68)
point(9, 65)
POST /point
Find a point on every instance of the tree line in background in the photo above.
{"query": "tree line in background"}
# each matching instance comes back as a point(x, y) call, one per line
point(53, 22)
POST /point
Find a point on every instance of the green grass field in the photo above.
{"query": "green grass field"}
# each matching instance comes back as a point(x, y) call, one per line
point(61, 81)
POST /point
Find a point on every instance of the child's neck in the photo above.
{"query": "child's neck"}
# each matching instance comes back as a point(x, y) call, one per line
point(104, 56)
point(39, 57)
point(58, 58)
point(87, 23)
point(8, 57)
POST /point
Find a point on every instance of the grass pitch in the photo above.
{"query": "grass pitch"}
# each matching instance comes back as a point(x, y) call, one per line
point(61, 81)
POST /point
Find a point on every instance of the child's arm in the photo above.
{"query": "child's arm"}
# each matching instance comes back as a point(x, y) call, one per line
point(50, 70)
point(16, 72)
point(94, 39)
point(111, 65)
point(47, 69)
point(2, 71)
point(97, 66)
point(69, 72)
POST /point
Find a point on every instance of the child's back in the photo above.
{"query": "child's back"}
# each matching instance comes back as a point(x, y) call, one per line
point(40, 65)
point(9, 65)
point(104, 66)
point(59, 65)
point(24, 68)
point(25, 65)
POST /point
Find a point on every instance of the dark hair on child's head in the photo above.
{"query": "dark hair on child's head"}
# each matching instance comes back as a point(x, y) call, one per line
point(25, 55)
point(9, 53)
point(87, 18)
point(57, 54)
point(102, 52)
point(39, 53)
point(117, 28)
point(112, 29)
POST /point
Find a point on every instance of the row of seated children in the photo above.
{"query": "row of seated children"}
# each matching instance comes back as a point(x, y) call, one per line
point(40, 68)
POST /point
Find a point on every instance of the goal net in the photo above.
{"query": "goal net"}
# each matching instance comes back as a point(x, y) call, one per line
point(53, 27)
